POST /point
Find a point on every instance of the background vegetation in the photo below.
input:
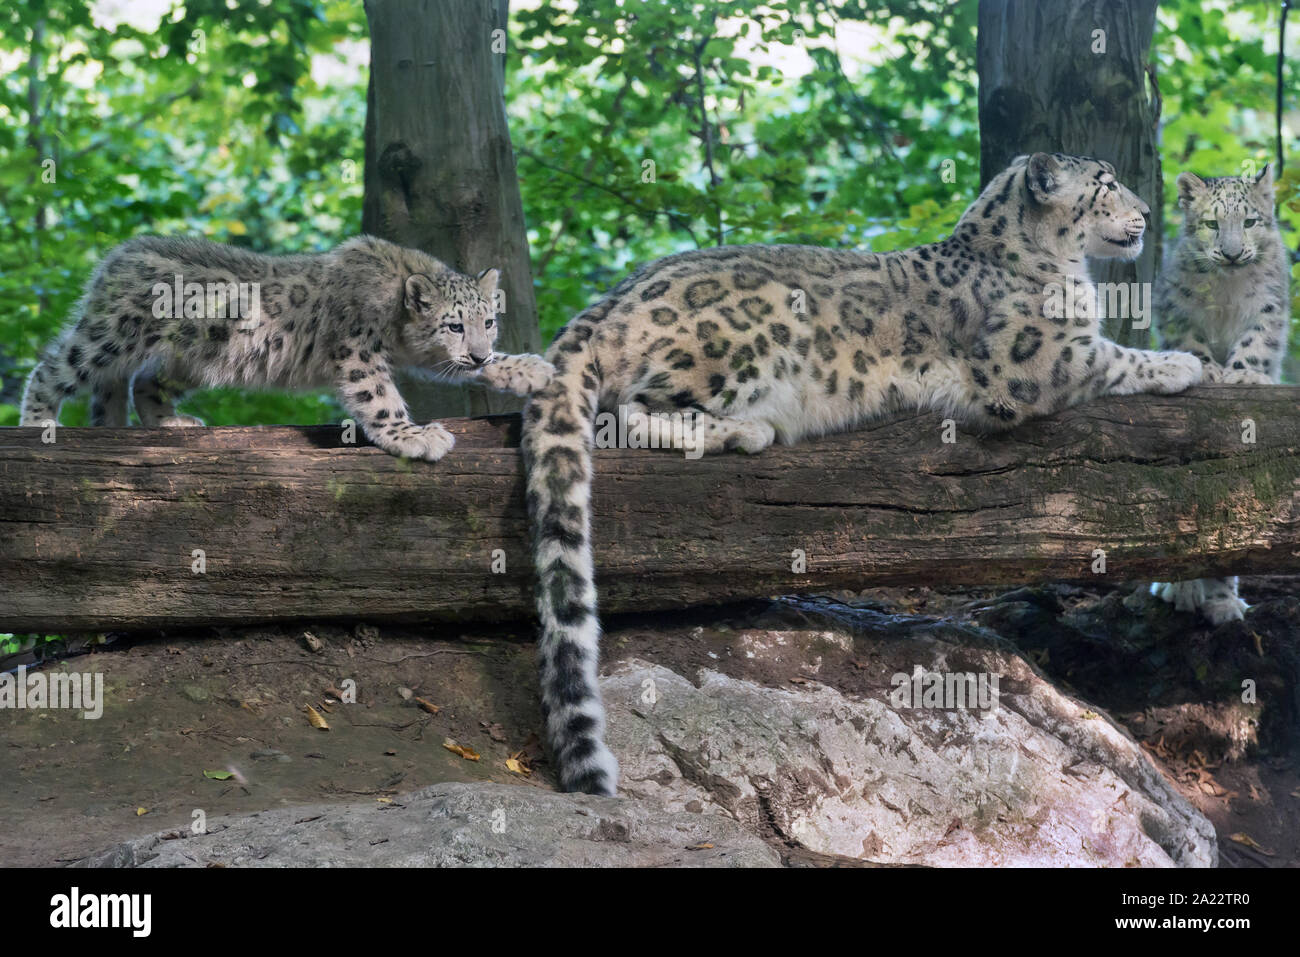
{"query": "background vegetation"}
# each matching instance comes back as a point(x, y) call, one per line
point(798, 121)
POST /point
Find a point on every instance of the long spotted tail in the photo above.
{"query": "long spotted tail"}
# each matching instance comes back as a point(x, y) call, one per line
point(557, 440)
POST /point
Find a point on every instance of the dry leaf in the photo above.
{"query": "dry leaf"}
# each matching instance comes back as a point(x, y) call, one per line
point(467, 753)
point(515, 767)
point(141, 810)
point(701, 847)
point(1243, 838)
point(428, 706)
point(1089, 714)
point(316, 720)
point(312, 642)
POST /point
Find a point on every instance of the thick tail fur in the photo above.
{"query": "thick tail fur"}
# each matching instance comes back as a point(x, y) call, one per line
point(557, 440)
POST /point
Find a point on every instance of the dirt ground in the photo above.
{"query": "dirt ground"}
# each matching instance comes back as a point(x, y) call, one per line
point(215, 722)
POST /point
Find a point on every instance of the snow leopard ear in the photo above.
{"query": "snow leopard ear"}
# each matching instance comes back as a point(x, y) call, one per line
point(1263, 185)
point(1190, 186)
point(420, 293)
point(487, 282)
point(1043, 176)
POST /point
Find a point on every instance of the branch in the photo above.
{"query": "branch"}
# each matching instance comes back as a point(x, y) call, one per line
point(675, 218)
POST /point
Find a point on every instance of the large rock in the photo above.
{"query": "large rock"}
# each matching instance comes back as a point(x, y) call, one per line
point(1037, 779)
point(457, 825)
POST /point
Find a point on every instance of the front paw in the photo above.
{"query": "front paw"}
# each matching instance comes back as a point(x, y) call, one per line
point(1245, 377)
point(180, 422)
point(1176, 371)
point(522, 375)
point(430, 442)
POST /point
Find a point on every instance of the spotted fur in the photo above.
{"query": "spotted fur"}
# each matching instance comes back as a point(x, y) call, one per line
point(343, 319)
point(768, 343)
point(1222, 296)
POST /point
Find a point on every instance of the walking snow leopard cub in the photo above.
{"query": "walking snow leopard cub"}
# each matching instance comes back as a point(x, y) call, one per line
point(781, 342)
point(162, 316)
point(1222, 296)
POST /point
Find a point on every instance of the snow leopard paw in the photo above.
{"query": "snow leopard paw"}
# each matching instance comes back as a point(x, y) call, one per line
point(429, 442)
point(179, 422)
point(1246, 377)
point(1175, 371)
point(521, 375)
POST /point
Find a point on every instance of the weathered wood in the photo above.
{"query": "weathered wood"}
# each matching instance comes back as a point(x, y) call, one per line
point(98, 530)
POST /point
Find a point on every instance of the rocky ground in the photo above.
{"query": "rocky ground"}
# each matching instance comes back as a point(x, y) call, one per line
point(752, 735)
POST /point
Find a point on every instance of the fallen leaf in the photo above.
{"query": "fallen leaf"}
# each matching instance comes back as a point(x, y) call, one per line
point(316, 720)
point(312, 642)
point(494, 731)
point(1089, 714)
point(701, 847)
point(466, 753)
point(218, 775)
point(141, 810)
point(515, 767)
point(1248, 841)
point(428, 706)
point(384, 800)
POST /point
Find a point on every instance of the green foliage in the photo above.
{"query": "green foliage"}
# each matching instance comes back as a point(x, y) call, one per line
point(775, 122)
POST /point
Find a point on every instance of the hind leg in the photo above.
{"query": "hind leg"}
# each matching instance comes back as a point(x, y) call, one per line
point(108, 403)
point(45, 392)
point(155, 396)
point(699, 433)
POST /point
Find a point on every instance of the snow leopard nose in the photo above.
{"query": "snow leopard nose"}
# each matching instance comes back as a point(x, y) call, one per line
point(478, 359)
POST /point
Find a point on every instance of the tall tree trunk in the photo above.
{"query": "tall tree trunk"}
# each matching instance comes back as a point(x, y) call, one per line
point(440, 171)
point(1070, 76)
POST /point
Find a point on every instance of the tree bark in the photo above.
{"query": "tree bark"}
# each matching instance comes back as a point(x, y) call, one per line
point(440, 171)
point(1048, 81)
point(100, 530)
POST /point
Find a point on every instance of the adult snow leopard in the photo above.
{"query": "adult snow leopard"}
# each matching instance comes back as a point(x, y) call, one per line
point(781, 342)
point(162, 316)
point(1222, 296)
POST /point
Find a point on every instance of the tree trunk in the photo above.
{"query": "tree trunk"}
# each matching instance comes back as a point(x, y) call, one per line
point(103, 528)
point(440, 171)
point(1070, 76)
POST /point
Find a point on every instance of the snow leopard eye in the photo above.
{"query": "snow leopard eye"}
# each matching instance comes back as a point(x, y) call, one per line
point(1210, 224)
point(456, 327)
point(1249, 223)
point(487, 323)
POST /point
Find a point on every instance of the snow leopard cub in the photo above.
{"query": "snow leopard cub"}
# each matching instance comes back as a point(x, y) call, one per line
point(1222, 296)
point(162, 316)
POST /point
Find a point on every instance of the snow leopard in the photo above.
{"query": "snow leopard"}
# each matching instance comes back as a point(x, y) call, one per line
point(161, 316)
point(766, 343)
point(1222, 295)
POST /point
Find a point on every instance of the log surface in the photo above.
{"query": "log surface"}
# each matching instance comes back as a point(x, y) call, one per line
point(99, 529)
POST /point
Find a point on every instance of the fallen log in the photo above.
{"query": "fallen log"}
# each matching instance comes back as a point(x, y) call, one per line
point(142, 528)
